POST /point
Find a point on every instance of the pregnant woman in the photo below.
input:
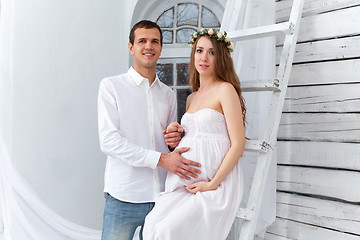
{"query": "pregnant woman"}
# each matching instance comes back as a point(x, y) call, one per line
point(204, 208)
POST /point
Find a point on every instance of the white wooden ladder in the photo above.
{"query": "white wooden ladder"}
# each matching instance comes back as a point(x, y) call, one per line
point(278, 86)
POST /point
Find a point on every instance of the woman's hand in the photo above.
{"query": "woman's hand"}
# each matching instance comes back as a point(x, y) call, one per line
point(201, 187)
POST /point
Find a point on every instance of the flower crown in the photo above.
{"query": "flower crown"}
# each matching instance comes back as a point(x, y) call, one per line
point(214, 34)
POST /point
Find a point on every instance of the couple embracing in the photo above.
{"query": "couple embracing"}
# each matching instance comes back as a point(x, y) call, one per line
point(175, 181)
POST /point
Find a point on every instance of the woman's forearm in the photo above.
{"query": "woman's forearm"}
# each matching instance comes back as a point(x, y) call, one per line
point(230, 160)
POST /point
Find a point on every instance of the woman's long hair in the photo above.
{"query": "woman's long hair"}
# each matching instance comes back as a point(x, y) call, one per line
point(224, 70)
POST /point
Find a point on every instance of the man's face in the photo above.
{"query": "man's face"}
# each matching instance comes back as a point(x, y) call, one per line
point(146, 48)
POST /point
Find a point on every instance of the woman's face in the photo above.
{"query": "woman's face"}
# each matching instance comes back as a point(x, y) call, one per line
point(204, 57)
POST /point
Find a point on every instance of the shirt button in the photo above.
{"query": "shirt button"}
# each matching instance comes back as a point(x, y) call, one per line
point(150, 106)
point(152, 141)
point(151, 124)
point(155, 177)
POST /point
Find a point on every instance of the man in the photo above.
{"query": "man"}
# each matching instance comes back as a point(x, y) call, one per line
point(133, 109)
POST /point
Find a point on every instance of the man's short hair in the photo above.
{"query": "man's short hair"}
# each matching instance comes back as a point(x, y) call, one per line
point(147, 24)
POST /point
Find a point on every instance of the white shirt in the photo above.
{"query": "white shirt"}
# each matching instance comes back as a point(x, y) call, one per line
point(131, 116)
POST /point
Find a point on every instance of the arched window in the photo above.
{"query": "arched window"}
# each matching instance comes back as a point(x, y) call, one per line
point(178, 23)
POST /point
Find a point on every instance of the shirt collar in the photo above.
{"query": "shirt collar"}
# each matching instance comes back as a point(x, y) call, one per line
point(139, 79)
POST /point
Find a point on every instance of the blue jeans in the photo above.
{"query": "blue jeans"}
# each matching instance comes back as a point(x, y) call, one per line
point(122, 218)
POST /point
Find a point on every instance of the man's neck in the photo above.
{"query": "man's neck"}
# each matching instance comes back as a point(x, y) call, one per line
point(149, 73)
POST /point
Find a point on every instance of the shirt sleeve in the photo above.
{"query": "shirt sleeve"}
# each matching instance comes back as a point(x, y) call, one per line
point(111, 141)
point(173, 108)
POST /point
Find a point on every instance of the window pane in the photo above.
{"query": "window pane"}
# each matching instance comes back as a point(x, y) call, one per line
point(188, 14)
point(167, 36)
point(182, 74)
point(165, 73)
point(166, 19)
point(184, 35)
point(208, 19)
point(182, 95)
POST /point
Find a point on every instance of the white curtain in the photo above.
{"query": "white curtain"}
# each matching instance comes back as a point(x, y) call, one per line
point(23, 216)
point(255, 60)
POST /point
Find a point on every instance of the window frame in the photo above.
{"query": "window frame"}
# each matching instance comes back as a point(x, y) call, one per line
point(179, 53)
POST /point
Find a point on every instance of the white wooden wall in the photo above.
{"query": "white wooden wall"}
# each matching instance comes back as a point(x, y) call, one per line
point(318, 179)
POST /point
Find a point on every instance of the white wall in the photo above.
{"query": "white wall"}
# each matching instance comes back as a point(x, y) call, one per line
point(5, 88)
point(60, 50)
point(5, 73)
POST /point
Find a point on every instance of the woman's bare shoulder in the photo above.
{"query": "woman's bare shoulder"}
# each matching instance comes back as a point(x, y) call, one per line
point(189, 99)
point(191, 96)
point(226, 88)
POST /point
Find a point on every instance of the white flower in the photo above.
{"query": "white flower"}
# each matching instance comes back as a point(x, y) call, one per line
point(191, 45)
point(227, 39)
point(211, 31)
point(219, 35)
point(195, 34)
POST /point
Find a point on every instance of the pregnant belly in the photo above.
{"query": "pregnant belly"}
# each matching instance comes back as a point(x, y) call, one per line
point(208, 153)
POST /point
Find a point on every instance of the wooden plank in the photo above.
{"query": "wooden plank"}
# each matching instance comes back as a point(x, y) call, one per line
point(340, 98)
point(327, 25)
point(337, 184)
point(330, 214)
point(272, 236)
point(260, 85)
point(260, 32)
point(255, 146)
point(332, 49)
point(346, 71)
point(311, 7)
point(319, 154)
point(332, 127)
point(300, 231)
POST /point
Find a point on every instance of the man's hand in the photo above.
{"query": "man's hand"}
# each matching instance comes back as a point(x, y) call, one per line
point(173, 134)
point(175, 163)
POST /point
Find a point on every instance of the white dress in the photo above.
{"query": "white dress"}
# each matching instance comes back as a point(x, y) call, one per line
point(181, 215)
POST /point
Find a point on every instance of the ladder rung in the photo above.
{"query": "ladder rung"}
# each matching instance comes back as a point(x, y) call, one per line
point(256, 237)
point(263, 31)
point(245, 213)
point(256, 146)
point(254, 86)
